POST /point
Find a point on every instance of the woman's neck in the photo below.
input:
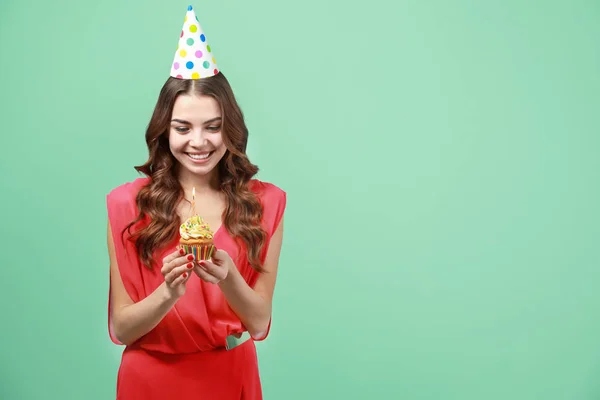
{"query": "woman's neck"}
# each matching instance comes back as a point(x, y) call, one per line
point(202, 184)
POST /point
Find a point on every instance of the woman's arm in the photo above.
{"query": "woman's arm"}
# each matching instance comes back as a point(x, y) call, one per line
point(253, 306)
point(132, 320)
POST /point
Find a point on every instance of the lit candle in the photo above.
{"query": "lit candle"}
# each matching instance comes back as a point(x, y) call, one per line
point(194, 200)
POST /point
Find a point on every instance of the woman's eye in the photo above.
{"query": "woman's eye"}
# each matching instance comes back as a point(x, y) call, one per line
point(214, 128)
point(181, 129)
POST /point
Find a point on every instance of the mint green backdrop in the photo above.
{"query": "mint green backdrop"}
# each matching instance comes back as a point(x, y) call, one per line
point(441, 164)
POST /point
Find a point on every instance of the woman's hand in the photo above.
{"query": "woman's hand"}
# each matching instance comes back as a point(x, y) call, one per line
point(216, 269)
point(175, 271)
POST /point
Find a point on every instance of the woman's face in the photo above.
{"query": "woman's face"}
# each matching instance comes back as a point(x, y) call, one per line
point(195, 137)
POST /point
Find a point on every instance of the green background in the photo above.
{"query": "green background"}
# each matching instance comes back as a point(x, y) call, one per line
point(441, 160)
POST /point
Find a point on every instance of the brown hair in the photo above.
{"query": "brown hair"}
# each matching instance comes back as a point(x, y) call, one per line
point(159, 198)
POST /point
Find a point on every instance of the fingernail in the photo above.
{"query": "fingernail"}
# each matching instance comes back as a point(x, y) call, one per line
point(185, 274)
point(202, 263)
point(181, 252)
point(190, 257)
point(190, 265)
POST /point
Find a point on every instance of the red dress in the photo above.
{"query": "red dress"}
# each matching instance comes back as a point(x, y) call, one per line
point(185, 355)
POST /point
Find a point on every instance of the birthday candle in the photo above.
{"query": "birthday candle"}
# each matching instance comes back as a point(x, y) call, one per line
point(194, 200)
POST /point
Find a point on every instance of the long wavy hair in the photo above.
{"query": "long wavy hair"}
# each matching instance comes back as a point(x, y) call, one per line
point(157, 201)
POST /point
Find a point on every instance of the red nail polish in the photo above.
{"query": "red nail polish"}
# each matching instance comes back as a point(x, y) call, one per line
point(190, 257)
point(181, 252)
point(185, 274)
point(190, 265)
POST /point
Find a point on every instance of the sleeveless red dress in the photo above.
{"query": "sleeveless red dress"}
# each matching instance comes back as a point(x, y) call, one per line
point(185, 356)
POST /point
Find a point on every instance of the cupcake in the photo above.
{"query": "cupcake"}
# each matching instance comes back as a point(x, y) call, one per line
point(196, 238)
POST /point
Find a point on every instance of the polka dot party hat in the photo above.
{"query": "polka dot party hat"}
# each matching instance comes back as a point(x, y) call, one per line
point(193, 58)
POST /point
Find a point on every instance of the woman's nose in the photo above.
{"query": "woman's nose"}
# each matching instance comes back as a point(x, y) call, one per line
point(198, 137)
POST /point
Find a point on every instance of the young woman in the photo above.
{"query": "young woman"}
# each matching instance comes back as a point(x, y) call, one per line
point(189, 325)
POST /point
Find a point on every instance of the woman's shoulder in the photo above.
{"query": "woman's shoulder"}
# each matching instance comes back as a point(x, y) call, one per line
point(273, 199)
point(267, 190)
point(127, 191)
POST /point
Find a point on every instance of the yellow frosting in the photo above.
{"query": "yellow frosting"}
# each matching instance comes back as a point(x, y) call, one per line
point(195, 228)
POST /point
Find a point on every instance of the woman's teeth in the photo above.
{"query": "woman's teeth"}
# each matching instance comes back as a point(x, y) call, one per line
point(199, 156)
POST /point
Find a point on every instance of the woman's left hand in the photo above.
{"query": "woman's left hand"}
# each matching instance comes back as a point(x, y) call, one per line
point(216, 269)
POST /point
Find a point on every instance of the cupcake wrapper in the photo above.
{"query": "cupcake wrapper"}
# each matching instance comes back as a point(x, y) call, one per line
point(200, 252)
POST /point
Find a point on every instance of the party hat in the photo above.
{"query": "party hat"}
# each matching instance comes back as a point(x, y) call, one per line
point(193, 58)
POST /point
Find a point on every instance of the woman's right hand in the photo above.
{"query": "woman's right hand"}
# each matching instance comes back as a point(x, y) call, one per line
point(176, 269)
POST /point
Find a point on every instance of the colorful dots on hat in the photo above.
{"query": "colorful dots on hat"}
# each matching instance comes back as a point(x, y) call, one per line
point(193, 57)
